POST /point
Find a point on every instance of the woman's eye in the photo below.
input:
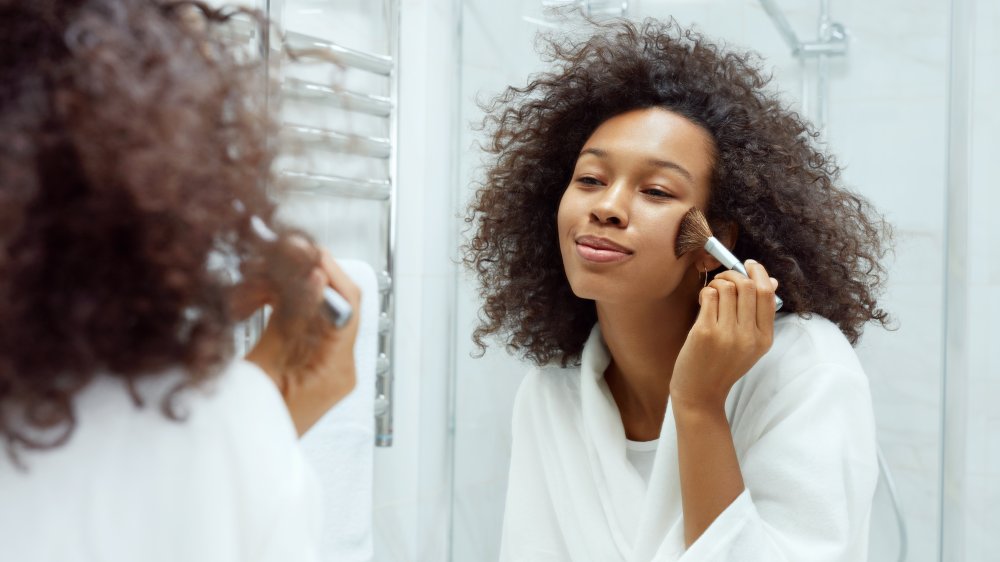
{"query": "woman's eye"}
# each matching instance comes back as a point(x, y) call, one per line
point(656, 192)
point(589, 180)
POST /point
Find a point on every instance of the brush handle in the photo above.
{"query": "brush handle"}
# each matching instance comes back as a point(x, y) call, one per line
point(338, 311)
point(727, 259)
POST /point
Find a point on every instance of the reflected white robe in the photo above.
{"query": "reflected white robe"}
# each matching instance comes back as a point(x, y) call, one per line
point(804, 432)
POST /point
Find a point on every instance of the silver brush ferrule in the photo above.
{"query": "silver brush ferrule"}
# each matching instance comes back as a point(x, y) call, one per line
point(729, 261)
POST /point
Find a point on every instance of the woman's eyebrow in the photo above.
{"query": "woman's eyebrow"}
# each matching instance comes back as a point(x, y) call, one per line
point(672, 166)
point(595, 151)
point(600, 153)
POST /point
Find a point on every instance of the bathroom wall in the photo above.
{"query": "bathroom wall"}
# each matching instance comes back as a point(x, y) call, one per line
point(888, 124)
point(412, 480)
point(972, 480)
point(496, 51)
point(888, 113)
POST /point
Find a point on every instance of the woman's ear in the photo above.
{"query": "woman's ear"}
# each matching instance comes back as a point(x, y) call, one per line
point(728, 234)
point(706, 262)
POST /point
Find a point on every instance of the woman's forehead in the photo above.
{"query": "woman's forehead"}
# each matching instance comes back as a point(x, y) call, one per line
point(654, 138)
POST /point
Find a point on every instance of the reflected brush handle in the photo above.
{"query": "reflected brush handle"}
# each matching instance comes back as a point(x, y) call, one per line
point(722, 253)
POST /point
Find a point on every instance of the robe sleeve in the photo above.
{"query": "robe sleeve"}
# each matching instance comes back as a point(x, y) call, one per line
point(810, 469)
point(531, 531)
point(278, 490)
point(294, 532)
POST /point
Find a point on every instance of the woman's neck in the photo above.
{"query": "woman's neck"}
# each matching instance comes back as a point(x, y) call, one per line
point(644, 340)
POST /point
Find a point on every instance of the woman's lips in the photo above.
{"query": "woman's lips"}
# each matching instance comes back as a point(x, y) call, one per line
point(601, 250)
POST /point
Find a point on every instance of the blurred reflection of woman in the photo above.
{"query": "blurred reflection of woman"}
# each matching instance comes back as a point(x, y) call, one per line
point(132, 151)
point(669, 420)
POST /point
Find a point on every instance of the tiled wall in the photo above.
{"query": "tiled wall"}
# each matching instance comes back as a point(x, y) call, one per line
point(496, 51)
point(888, 124)
point(412, 477)
point(981, 489)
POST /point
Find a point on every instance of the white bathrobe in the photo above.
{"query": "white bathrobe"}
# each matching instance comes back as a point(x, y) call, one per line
point(227, 484)
point(804, 433)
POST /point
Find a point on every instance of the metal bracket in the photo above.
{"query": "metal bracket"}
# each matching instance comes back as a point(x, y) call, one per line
point(833, 39)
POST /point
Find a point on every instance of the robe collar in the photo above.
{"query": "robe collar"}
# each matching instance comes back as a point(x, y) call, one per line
point(639, 516)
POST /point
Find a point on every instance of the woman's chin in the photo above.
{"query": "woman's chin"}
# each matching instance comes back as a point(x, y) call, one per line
point(603, 290)
point(614, 290)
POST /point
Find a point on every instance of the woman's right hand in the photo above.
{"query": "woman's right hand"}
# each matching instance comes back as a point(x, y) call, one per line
point(310, 360)
point(733, 330)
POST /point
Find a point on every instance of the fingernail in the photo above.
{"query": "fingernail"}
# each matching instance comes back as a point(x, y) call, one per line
point(751, 262)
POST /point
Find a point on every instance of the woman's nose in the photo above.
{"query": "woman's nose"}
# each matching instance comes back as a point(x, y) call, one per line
point(612, 206)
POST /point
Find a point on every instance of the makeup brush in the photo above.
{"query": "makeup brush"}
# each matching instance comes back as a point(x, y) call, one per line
point(695, 233)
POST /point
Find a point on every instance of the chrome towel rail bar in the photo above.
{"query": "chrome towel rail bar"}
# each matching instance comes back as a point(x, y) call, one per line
point(340, 142)
point(343, 99)
point(378, 190)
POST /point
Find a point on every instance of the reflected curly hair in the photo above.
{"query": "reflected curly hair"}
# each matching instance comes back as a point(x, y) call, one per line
point(128, 128)
point(824, 243)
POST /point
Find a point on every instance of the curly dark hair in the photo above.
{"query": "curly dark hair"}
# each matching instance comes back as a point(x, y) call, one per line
point(128, 129)
point(824, 243)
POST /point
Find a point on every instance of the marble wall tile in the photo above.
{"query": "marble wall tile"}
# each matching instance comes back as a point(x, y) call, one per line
point(982, 448)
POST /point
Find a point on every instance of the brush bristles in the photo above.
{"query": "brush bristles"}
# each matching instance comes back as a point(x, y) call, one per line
point(693, 233)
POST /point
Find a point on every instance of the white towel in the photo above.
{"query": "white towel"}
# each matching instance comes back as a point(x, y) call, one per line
point(340, 446)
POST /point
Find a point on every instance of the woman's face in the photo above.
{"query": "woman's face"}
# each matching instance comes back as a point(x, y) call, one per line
point(634, 179)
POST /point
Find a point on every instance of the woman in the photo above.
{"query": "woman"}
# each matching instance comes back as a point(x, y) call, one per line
point(673, 415)
point(133, 145)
